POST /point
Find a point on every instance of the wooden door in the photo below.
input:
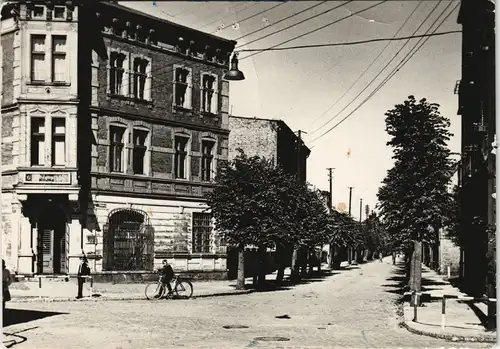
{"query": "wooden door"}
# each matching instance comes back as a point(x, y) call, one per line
point(48, 251)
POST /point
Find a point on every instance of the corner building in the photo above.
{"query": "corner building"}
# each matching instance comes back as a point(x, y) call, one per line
point(116, 122)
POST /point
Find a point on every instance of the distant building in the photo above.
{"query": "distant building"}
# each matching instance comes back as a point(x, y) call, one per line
point(113, 124)
point(271, 139)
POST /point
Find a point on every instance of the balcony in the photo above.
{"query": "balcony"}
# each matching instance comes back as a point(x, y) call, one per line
point(47, 181)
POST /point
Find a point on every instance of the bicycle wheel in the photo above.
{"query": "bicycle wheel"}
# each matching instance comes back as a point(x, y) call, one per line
point(153, 291)
point(184, 289)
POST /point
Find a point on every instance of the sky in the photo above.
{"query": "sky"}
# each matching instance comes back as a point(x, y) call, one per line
point(300, 86)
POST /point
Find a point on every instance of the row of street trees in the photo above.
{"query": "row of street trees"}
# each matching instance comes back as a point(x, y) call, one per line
point(415, 201)
point(256, 203)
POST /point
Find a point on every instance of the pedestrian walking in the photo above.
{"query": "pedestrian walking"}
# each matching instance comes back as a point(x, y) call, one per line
point(83, 271)
point(381, 257)
point(6, 281)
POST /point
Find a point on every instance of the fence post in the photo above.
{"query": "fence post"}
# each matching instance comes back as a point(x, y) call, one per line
point(39, 282)
point(443, 313)
point(415, 303)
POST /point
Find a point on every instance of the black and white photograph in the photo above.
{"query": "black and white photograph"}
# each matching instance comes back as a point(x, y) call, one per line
point(248, 174)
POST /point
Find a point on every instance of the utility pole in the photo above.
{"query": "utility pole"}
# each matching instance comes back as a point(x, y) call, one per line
point(350, 198)
point(330, 176)
point(360, 210)
point(349, 249)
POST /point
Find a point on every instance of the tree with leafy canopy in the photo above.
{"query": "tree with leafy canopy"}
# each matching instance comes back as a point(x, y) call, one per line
point(414, 200)
point(245, 203)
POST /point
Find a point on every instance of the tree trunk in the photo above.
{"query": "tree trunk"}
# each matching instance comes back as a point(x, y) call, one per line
point(261, 267)
point(295, 266)
point(393, 258)
point(280, 250)
point(240, 284)
point(311, 260)
point(349, 255)
point(304, 262)
point(320, 258)
point(416, 271)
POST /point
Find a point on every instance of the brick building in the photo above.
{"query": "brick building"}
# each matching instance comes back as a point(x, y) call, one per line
point(113, 124)
point(271, 139)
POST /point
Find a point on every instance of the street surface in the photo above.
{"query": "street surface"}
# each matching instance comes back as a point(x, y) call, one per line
point(351, 309)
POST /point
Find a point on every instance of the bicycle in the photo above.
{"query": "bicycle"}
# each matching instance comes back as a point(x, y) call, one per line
point(182, 288)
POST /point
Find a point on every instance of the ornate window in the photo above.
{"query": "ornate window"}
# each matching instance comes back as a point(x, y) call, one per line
point(59, 12)
point(180, 156)
point(128, 241)
point(117, 73)
point(207, 157)
point(59, 62)
point(182, 87)
point(202, 231)
point(116, 143)
point(38, 66)
point(37, 141)
point(141, 81)
point(139, 151)
point(58, 141)
point(209, 93)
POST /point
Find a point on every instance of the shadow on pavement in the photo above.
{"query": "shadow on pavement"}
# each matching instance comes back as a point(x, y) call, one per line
point(286, 284)
point(19, 316)
point(482, 317)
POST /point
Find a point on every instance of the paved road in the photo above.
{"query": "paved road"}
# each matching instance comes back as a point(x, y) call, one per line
point(351, 309)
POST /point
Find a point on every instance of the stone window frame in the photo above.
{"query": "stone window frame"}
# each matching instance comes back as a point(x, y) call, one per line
point(117, 122)
point(208, 137)
point(125, 86)
point(142, 126)
point(215, 98)
point(189, 91)
point(181, 132)
point(47, 116)
point(148, 87)
point(127, 157)
point(211, 236)
point(48, 57)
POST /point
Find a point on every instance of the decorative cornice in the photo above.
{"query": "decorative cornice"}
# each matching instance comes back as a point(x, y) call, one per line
point(143, 29)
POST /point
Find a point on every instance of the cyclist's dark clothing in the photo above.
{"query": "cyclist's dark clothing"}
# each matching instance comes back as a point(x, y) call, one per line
point(167, 274)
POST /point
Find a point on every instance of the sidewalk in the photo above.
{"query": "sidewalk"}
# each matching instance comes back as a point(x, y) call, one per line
point(461, 321)
point(61, 291)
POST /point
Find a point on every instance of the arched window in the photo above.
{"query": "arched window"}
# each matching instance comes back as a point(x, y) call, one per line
point(128, 241)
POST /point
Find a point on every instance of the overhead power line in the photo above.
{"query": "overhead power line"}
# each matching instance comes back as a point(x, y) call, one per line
point(242, 8)
point(253, 16)
point(382, 84)
point(365, 71)
point(386, 65)
point(295, 24)
point(350, 43)
point(281, 20)
point(315, 30)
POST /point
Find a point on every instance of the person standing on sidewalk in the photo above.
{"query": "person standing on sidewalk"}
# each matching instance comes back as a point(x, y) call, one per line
point(6, 281)
point(83, 271)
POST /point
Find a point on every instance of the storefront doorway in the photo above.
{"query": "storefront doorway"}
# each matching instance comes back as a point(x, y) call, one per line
point(52, 249)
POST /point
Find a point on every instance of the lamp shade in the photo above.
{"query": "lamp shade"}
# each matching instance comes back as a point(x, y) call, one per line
point(234, 74)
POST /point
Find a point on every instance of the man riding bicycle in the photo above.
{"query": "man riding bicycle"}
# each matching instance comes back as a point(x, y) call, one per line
point(167, 274)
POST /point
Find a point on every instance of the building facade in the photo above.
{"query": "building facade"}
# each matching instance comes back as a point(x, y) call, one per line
point(118, 120)
point(270, 139)
point(477, 175)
